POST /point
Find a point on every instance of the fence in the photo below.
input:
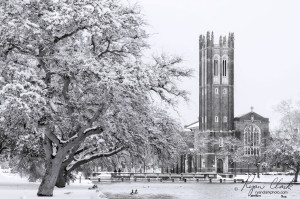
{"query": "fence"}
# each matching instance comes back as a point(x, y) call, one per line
point(156, 177)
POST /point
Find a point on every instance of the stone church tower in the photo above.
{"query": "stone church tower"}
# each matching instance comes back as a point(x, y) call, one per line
point(216, 81)
point(216, 106)
point(216, 115)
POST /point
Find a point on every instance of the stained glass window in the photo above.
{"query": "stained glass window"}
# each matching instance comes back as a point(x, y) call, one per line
point(252, 140)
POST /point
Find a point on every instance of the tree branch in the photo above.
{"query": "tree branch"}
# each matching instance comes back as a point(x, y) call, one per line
point(53, 138)
point(71, 156)
point(101, 110)
point(65, 90)
point(106, 50)
point(2, 149)
point(107, 154)
point(57, 39)
point(80, 137)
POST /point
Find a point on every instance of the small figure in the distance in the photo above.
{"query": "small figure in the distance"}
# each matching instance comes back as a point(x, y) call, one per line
point(132, 192)
point(136, 192)
point(94, 187)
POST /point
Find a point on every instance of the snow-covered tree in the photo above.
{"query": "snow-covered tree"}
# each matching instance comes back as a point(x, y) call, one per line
point(287, 154)
point(28, 158)
point(12, 127)
point(74, 70)
point(286, 140)
point(23, 156)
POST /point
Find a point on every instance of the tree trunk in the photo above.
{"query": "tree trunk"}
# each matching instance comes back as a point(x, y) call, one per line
point(61, 179)
point(296, 176)
point(48, 182)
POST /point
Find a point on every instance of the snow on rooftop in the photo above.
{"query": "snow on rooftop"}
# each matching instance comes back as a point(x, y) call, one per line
point(193, 125)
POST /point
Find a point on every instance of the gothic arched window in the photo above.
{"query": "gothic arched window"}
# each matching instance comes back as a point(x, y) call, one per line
point(216, 91)
point(221, 142)
point(224, 91)
point(252, 140)
point(216, 71)
point(216, 119)
point(224, 68)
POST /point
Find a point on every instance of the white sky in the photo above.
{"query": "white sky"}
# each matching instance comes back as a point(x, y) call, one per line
point(267, 43)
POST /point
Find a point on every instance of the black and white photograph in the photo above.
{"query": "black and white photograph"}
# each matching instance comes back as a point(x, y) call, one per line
point(149, 99)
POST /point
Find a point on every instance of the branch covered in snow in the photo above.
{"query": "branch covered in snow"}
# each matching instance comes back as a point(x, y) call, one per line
point(77, 163)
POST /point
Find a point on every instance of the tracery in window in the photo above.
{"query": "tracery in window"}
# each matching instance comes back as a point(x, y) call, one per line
point(252, 140)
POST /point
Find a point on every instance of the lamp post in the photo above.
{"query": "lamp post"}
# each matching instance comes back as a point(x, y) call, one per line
point(248, 168)
point(258, 170)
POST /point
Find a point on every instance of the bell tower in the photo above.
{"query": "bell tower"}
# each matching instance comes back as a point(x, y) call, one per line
point(216, 83)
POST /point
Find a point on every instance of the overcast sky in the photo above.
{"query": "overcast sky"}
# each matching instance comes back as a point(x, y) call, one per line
point(267, 47)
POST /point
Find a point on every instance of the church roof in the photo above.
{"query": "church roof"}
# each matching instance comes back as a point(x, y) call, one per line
point(247, 116)
point(194, 125)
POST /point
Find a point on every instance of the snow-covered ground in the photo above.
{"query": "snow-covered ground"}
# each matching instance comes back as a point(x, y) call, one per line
point(268, 178)
point(203, 189)
point(189, 190)
point(13, 186)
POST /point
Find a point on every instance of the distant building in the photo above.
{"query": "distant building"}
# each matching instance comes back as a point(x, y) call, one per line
point(216, 110)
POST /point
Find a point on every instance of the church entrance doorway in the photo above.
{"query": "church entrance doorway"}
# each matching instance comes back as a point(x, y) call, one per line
point(220, 166)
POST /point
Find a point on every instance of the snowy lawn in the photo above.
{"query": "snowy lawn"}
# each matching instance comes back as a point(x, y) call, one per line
point(191, 190)
point(139, 196)
point(14, 187)
point(268, 178)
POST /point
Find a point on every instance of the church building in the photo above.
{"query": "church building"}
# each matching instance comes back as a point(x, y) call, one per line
point(216, 110)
